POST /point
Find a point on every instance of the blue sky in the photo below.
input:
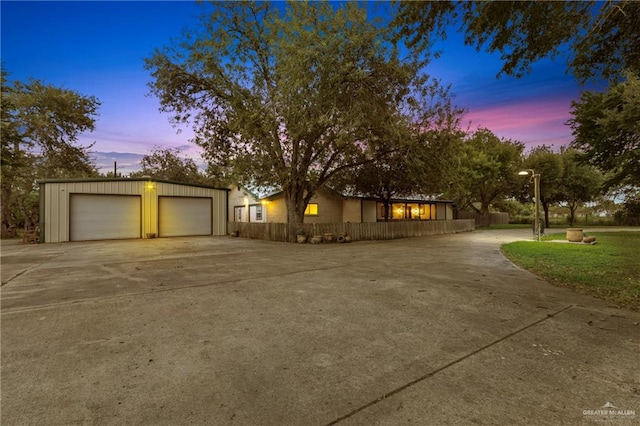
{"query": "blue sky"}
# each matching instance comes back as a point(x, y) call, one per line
point(97, 48)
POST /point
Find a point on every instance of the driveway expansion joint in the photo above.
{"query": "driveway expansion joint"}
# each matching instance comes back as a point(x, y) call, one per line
point(155, 291)
point(446, 366)
point(29, 269)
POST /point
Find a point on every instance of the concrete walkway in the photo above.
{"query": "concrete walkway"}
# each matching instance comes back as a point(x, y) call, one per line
point(435, 330)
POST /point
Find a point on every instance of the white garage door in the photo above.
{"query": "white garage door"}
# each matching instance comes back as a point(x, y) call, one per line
point(183, 216)
point(104, 217)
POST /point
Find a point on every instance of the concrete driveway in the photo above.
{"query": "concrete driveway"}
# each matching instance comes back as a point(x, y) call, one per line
point(434, 330)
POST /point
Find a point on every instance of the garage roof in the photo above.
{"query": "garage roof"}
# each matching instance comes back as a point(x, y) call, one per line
point(136, 179)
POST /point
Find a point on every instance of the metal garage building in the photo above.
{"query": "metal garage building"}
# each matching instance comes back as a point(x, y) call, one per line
point(106, 209)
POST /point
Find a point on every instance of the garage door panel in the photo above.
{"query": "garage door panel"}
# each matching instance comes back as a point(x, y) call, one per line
point(184, 216)
point(104, 217)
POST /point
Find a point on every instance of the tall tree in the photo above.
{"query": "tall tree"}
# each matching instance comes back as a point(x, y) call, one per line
point(602, 36)
point(424, 164)
point(487, 172)
point(290, 97)
point(581, 183)
point(40, 127)
point(169, 164)
point(550, 166)
point(10, 133)
point(606, 128)
point(385, 179)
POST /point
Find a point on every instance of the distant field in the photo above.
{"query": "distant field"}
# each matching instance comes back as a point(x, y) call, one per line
point(609, 270)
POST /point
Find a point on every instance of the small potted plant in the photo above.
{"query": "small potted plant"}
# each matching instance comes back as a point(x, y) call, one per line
point(302, 236)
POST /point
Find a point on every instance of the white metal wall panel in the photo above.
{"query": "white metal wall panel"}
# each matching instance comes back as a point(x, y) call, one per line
point(104, 217)
point(184, 216)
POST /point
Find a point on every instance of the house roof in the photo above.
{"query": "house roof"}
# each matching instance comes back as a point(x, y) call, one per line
point(257, 192)
point(250, 191)
point(277, 192)
point(135, 179)
point(417, 199)
point(414, 198)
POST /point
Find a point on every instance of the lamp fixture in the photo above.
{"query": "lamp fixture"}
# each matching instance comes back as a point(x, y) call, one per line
point(536, 185)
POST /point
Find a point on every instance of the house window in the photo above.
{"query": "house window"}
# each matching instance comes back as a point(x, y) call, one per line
point(413, 211)
point(425, 212)
point(258, 213)
point(398, 211)
point(311, 210)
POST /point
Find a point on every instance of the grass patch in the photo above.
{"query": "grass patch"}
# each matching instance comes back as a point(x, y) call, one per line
point(609, 270)
point(555, 236)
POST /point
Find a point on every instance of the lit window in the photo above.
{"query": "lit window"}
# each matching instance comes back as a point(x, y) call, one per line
point(413, 211)
point(398, 210)
point(311, 210)
point(425, 211)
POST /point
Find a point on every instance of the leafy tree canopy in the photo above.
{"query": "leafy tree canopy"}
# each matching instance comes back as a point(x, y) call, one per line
point(581, 183)
point(423, 164)
point(40, 128)
point(168, 164)
point(487, 171)
point(549, 165)
point(606, 129)
point(601, 37)
point(293, 96)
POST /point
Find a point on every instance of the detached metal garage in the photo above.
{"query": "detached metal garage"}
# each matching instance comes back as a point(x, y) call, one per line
point(105, 209)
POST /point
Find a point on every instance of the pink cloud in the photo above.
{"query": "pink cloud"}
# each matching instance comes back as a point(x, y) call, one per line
point(533, 122)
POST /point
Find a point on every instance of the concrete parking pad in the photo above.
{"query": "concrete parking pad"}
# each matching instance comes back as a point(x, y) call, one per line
point(433, 330)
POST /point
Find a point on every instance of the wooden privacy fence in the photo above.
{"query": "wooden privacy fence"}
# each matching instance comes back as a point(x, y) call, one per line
point(285, 232)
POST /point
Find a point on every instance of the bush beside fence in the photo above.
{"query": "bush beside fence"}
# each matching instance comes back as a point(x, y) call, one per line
point(285, 232)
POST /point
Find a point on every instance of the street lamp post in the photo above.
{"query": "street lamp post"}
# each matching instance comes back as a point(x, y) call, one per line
point(536, 184)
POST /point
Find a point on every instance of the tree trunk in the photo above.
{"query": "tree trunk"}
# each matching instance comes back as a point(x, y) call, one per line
point(9, 174)
point(297, 196)
point(545, 209)
point(8, 228)
point(485, 216)
point(572, 213)
point(295, 207)
point(387, 210)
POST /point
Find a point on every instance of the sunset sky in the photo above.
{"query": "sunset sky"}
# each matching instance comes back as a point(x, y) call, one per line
point(97, 48)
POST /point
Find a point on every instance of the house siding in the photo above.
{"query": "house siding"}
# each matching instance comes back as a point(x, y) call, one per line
point(369, 212)
point(240, 197)
point(352, 210)
point(329, 208)
point(277, 210)
point(334, 208)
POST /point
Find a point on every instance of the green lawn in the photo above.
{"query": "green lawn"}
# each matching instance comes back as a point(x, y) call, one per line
point(609, 269)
